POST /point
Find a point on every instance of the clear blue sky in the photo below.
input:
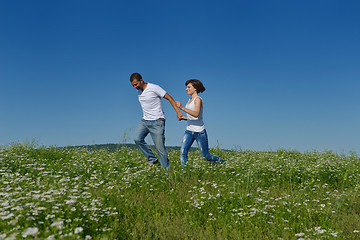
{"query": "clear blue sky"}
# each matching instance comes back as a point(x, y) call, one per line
point(279, 74)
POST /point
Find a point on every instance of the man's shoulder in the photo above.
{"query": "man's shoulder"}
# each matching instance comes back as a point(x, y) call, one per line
point(155, 87)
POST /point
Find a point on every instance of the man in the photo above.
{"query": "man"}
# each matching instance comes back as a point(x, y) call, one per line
point(153, 120)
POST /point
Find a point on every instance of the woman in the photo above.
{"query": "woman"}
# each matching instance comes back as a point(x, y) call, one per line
point(195, 129)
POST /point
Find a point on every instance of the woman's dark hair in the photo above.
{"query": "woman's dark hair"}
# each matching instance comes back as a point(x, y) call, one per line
point(197, 84)
point(136, 76)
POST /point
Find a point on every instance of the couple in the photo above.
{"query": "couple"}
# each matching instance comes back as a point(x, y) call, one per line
point(153, 121)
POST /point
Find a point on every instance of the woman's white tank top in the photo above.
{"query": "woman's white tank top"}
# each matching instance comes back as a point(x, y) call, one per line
point(195, 124)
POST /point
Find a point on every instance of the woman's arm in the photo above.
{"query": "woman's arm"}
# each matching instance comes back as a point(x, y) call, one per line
point(194, 113)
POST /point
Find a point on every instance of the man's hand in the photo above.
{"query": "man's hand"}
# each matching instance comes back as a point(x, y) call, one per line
point(183, 118)
point(180, 116)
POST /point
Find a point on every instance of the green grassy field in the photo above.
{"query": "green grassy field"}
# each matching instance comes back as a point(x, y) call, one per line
point(59, 193)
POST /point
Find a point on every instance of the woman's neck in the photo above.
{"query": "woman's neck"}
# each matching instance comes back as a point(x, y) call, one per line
point(194, 95)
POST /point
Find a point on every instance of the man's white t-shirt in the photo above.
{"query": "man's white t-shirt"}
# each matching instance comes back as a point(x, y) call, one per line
point(150, 101)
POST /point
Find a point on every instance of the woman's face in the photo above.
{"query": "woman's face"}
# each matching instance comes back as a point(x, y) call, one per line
point(190, 89)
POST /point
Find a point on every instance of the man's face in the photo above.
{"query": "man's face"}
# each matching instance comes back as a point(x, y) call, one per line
point(138, 84)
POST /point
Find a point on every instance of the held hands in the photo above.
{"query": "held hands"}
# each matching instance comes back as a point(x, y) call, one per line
point(180, 116)
point(175, 105)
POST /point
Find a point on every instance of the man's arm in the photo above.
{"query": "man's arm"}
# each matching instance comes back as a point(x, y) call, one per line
point(180, 116)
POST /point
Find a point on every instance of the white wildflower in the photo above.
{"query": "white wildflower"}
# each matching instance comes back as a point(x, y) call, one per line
point(78, 230)
point(51, 237)
point(12, 236)
point(58, 224)
point(8, 216)
point(319, 230)
point(30, 232)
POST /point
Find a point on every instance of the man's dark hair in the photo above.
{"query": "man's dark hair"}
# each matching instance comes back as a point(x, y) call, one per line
point(136, 76)
point(197, 84)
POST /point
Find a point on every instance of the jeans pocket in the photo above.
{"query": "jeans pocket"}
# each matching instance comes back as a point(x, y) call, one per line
point(202, 133)
point(160, 123)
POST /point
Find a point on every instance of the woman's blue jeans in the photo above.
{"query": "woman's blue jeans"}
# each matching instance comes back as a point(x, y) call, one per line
point(202, 141)
point(156, 128)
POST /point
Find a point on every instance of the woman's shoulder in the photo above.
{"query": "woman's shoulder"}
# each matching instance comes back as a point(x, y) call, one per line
point(198, 98)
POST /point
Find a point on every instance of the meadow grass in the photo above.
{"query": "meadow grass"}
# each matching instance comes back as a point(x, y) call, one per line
point(59, 193)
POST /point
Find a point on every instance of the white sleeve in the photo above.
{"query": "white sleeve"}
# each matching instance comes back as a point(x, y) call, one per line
point(158, 90)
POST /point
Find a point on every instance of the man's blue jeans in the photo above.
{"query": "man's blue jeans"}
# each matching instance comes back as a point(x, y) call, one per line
point(156, 128)
point(202, 141)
